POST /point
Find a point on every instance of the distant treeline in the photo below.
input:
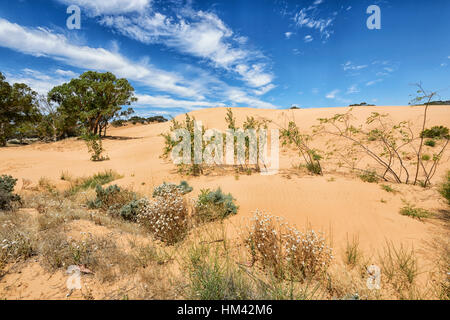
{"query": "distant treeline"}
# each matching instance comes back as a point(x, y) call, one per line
point(436, 103)
point(137, 119)
point(85, 106)
point(362, 104)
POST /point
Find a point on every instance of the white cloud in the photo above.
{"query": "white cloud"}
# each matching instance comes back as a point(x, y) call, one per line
point(288, 34)
point(348, 8)
point(353, 89)
point(307, 17)
point(308, 38)
point(264, 90)
point(99, 7)
point(371, 83)
point(66, 73)
point(41, 42)
point(36, 80)
point(315, 90)
point(332, 94)
point(239, 96)
point(166, 102)
point(317, 2)
point(200, 34)
point(350, 66)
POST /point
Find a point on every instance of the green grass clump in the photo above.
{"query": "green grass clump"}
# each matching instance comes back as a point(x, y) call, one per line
point(214, 205)
point(388, 188)
point(369, 176)
point(430, 143)
point(414, 212)
point(82, 184)
point(445, 188)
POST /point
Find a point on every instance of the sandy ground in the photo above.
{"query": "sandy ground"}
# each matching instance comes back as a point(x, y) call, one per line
point(341, 205)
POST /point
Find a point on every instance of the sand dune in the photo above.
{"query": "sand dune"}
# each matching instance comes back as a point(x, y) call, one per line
point(343, 206)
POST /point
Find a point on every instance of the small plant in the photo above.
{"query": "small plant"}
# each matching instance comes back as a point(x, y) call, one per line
point(101, 178)
point(214, 205)
point(292, 136)
point(445, 188)
point(95, 147)
point(7, 197)
point(417, 213)
point(436, 132)
point(369, 176)
point(430, 143)
point(183, 187)
point(167, 217)
point(426, 157)
point(116, 201)
point(352, 252)
point(284, 251)
point(399, 266)
point(388, 188)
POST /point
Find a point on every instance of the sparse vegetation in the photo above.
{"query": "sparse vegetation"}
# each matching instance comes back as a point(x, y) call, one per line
point(214, 205)
point(352, 252)
point(395, 147)
point(167, 218)
point(292, 136)
point(445, 187)
point(284, 251)
point(414, 212)
point(116, 201)
point(388, 188)
point(7, 198)
point(369, 176)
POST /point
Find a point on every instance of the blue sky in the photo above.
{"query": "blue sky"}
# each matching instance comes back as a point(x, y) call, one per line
point(183, 55)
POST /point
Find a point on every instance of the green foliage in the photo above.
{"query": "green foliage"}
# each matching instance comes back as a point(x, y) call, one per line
point(369, 176)
point(426, 157)
point(18, 110)
point(292, 136)
point(388, 188)
point(430, 143)
point(183, 188)
point(81, 184)
point(95, 147)
point(170, 143)
point(413, 212)
point(7, 197)
point(445, 188)
point(116, 202)
point(436, 132)
point(214, 205)
point(92, 100)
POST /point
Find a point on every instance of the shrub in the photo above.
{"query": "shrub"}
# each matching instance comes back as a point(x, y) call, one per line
point(436, 132)
point(417, 213)
point(214, 205)
point(7, 198)
point(430, 143)
point(369, 176)
point(183, 187)
point(285, 251)
point(95, 147)
point(445, 188)
point(116, 202)
point(166, 217)
point(15, 243)
point(388, 188)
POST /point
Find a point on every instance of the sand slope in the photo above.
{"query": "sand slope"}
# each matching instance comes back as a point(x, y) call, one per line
point(343, 206)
